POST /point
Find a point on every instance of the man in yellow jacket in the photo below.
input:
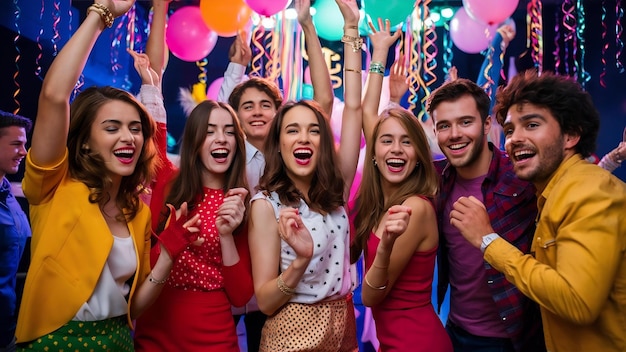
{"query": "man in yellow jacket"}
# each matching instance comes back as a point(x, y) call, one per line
point(577, 267)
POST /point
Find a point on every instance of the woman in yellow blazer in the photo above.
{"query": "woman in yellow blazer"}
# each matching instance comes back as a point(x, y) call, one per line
point(90, 273)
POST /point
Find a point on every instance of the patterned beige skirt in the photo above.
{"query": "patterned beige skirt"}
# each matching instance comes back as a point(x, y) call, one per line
point(327, 326)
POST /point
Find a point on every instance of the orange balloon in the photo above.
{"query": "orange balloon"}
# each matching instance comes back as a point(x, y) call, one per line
point(225, 17)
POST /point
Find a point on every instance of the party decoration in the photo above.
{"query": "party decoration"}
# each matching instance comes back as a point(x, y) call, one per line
point(396, 11)
point(584, 75)
point(619, 29)
point(605, 45)
point(267, 7)
point(491, 12)
point(225, 17)
point(214, 88)
point(17, 57)
point(569, 35)
point(535, 8)
point(468, 34)
point(187, 36)
point(328, 20)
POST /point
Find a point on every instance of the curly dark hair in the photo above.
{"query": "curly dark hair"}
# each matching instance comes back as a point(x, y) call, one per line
point(326, 191)
point(570, 105)
point(89, 167)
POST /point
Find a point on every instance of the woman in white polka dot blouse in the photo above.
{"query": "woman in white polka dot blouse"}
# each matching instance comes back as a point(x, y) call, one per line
point(299, 230)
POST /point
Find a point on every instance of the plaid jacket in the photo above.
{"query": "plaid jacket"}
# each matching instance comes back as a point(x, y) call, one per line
point(512, 207)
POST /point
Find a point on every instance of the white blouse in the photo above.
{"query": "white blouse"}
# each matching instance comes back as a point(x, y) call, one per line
point(109, 297)
point(329, 272)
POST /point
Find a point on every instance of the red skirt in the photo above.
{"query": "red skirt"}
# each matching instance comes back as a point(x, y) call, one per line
point(182, 320)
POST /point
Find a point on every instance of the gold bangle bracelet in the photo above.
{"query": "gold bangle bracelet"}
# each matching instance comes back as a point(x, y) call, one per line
point(380, 288)
point(351, 70)
point(282, 286)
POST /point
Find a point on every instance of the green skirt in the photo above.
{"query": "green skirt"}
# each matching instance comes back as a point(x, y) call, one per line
point(104, 335)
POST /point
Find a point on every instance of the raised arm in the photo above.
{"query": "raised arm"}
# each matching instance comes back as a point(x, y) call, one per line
point(489, 75)
point(240, 56)
point(352, 113)
point(398, 82)
point(156, 48)
point(382, 40)
point(320, 76)
point(49, 138)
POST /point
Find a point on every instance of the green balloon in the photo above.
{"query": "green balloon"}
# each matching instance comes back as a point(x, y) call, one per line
point(328, 20)
point(396, 11)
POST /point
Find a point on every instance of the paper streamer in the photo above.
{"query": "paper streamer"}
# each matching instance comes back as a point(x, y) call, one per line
point(557, 42)
point(447, 49)
point(17, 57)
point(56, 18)
point(619, 45)
point(81, 79)
point(38, 40)
point(569, 37)
point(258, 52)
point(429, 49)
point(584, 76)
point(605, 45)
point(536, 33)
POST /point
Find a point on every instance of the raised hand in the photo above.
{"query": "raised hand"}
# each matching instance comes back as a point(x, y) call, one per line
point(395, 225)
point(240, 52)
point(142, 66)
point(349, 11)
point(469, 215)
point(181, 231)
point(303, 8)
point(398, 80)
point(292, 230)
point(117, 7)
point(383, 38)
point(508, 33)
point(230, 213)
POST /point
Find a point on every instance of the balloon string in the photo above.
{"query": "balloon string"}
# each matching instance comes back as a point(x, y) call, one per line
point(17, 57)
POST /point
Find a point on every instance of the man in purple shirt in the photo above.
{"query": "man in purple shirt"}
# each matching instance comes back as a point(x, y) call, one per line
point(487, 313)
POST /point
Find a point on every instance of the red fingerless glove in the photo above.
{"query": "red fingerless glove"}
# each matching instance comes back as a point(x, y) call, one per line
point(175, 238)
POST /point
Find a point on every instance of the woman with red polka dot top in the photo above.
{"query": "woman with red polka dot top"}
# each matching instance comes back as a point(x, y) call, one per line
point(193, 312)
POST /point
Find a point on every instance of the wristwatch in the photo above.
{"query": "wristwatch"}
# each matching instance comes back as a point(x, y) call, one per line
point(487, 239)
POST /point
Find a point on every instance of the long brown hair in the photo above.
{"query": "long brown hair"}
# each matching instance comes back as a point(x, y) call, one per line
point(326, 191)
point(187, 185)
point(89, 168)
point(370, 203)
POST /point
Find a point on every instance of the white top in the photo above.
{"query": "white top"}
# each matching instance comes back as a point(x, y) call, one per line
point(329, 273)
point(109, 298)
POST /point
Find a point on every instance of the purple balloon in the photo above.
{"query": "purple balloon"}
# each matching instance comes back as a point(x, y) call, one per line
point(187, 36)
point(469, 35)
point(267, 7)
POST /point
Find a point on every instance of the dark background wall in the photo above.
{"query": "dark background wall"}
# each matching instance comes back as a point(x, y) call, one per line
point(28, 36)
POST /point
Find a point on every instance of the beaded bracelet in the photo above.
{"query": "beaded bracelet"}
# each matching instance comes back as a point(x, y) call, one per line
point(377, 68)
point(104, 13)
point(282, 286)
point(155, 281)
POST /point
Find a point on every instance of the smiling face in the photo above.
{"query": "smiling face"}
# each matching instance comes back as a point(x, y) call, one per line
point(395, 154)
point(256, 111)
point(535, 142)
point(299, 143)
point(116, 135)
point(12, 149)
point(219, 148)
point(462, 136)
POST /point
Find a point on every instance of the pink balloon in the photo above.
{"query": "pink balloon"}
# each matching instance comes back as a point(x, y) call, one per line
point(214, 88)
point(187, 36)
point(490, 11)
point(469, 35)
point(267, 7)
